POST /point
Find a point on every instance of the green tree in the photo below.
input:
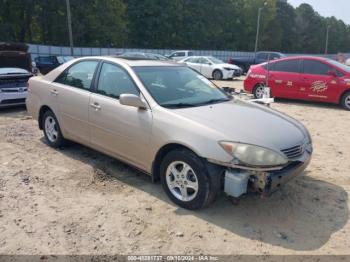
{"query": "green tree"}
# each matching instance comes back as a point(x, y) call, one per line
point(310, 30)
point(280, 32)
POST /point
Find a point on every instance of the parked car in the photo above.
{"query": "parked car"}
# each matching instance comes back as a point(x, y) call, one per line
point(172, 123)
point(13, 86)
point(47, 63)
point(212, 67)
point(140, 55)
point(258, 58)
point(304, 78)
point(15, 67)
point(179, 55)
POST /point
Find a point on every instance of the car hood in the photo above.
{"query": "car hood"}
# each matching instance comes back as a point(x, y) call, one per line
point(244, 122)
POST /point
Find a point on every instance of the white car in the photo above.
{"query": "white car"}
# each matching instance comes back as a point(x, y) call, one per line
point(179, 55)
point(13, 86)
point(212, 67)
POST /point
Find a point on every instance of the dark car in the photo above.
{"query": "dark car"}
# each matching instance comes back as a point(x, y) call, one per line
point(258, 58)
point(47, 63)
point(15, 68)
point(140, 55)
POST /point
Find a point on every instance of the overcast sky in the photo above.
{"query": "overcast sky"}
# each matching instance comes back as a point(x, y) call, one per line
point(338, 8)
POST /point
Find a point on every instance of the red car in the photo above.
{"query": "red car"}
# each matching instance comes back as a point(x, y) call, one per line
point(302, 77)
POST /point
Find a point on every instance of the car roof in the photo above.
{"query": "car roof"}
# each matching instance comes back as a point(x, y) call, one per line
point(132, 62)
point(318, 58)
point(200, 56)
point(271, 52)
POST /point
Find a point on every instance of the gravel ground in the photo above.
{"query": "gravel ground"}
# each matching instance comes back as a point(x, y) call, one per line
point(78, 201)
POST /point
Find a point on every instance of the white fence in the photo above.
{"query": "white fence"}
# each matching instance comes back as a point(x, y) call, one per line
point(44, 50)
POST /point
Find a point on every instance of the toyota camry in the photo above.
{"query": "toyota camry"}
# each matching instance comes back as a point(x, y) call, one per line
point(172, 123)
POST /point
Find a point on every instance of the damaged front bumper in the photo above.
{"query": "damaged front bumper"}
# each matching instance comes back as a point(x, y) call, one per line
point(240, 180)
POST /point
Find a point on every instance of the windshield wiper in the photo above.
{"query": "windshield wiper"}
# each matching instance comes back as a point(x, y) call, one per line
point(178, 105)
point(213, 101)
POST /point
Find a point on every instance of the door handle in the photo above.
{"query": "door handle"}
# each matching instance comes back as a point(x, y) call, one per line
point(54, 92)
point(96, 106)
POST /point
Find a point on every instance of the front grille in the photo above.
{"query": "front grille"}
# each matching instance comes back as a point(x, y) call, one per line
point(294, 152)
point(13, 90)
point(8, 83)
point(13, 101)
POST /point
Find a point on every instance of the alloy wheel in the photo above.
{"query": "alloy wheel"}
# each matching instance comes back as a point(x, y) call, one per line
point(347, 102)
point(182, 181)
point(51, 129)
point(259, 92)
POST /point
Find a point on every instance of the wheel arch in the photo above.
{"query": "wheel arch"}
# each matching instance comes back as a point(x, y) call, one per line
point(42, 111)
point(161, 153)
point(342, 95)
point(217, 69)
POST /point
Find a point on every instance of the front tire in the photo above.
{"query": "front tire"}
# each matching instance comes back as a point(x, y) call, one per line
point(52, 130)
point(345, 100)
point(217, 75)
point(185, 179)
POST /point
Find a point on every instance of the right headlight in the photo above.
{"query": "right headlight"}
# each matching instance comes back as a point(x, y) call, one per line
point(250, 155)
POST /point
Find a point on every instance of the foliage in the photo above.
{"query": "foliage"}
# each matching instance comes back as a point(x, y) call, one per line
point(180, 24)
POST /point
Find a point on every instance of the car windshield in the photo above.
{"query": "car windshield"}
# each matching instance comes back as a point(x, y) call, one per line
point(177, 86)
point(340, 65)
point(214, 60)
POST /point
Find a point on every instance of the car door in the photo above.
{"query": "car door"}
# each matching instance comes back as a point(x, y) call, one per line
point(71, 93)
point(285, 78)
point(320, 82)
point(206, 67)
point(116, 129)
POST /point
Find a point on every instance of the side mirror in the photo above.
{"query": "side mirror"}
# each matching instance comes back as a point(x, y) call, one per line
point(331, 73)
point(132, 100)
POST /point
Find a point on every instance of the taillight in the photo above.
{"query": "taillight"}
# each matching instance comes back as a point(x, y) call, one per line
point(249, 72)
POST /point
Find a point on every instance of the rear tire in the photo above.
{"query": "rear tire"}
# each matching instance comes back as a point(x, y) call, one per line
point(217, 75)
point(186, 180)
point(258, 91)
point(52, 130)
point(345, 101)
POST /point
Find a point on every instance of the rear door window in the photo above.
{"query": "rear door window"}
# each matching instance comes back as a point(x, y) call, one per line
point(204, 61)
point(179, 54)
point(79, 75)
point(192, 60)
point(288, 66)
point(261, 56)
point(274, 56)
point(46, 59)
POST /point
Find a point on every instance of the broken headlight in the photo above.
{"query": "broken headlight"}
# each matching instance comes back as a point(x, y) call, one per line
point(250, 155)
